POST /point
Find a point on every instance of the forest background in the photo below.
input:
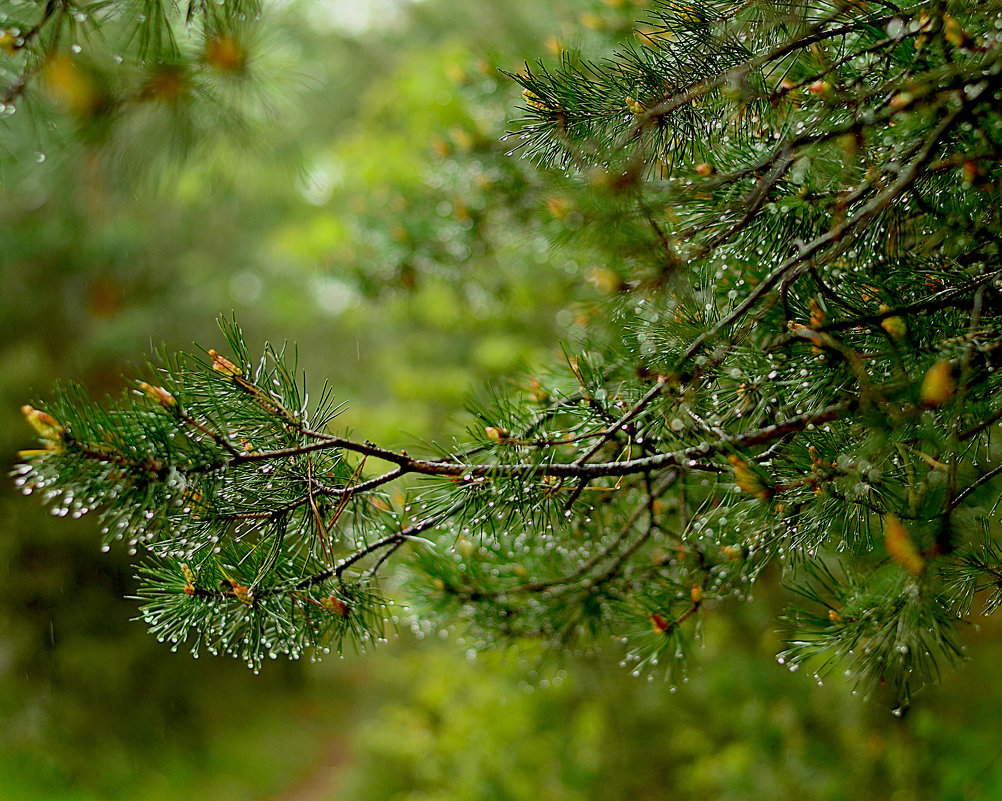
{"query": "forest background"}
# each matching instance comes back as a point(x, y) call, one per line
point(375, 218)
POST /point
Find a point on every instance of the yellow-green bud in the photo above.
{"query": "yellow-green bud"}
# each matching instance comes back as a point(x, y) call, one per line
point(45, 425)
point(159, 394)
point(223, 365)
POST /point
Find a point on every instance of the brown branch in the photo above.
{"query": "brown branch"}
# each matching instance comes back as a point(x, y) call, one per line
point(876, 205)
point(390, 540)
point(215, 436)
point(971, 487)
point(699, 88)
point(326, 443)
point(659, 461)
point(970, 432)
point(611, 431)
point(53, 9)
point(621, 536)
point(755, 198)
point(946, 299)
point(372, 483)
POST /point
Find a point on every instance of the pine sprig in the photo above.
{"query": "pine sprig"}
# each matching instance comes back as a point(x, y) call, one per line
point(882, 628)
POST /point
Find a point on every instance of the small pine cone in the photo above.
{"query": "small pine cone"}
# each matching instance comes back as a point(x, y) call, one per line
point(895, 326)
point(636, 108)
point(244, 595)
point(659, 623)
point(335, 605)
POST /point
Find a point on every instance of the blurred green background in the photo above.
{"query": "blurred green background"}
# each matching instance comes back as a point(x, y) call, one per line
point(374, 218)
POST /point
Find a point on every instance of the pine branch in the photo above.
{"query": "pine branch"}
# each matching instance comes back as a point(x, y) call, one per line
point(798, 362)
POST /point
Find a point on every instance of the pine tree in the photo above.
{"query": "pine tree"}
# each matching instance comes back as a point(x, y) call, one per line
point(795, 211)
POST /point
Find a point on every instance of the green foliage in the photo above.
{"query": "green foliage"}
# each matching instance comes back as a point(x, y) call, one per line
point(739, 728)
point(137, 81)
point(794, 215)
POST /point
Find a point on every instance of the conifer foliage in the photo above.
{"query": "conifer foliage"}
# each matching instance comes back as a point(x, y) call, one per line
point(133, 80)
point(794, 370)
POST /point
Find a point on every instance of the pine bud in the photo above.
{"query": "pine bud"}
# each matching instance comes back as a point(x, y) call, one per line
point(70, 85)
point(786, 84)
point(189, 575)
point(533, 100)
point(938, 384)
point(9, 41)
point(971, 172)
point(748, 480)
point(900, 546)
point(686, 12)
point(443, 150)
point(225, 54)
point(955, 34)
point(659, 623)
point(159, 394)
point(732, 552)
point(817, 320)
point(696, 594)
point(335, 605)
point(634, 106)
point(704, 169)
point(834, 616)
point(553, 45)
point(223, 365)
point(537, 392)
point(167, 84)
point(605, 280)
point(817, 313)
point(559, 207)
point(819, 88)
point(496, 434)
point(45, 425)
point(244, 595)
point(925, 26)
point(895, 326)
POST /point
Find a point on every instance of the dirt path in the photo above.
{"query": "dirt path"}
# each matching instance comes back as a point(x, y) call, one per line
point(320, 781)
